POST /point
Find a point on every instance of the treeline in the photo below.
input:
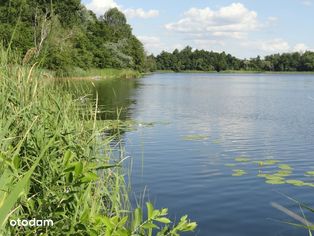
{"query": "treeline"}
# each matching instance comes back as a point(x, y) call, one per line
point(64, 35)
point(202, 60)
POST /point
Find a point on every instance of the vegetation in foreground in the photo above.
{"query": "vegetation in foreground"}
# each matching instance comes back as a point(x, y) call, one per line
point(56, 163)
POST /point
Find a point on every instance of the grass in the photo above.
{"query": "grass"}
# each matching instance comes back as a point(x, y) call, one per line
point(78, 73)
point(58, 163)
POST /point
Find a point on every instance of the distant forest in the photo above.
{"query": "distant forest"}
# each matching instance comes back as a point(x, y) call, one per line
point(64, 36)
point(202, 60)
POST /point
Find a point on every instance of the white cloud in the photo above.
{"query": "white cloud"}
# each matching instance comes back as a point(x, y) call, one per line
point(301, 47)
point(272, 19)
point(269, 46)
point(141, 13)
point(275, 45)
point(151, 43)
point(307, 2)
point(101, 6)
point(233, 21)
point(155, 45)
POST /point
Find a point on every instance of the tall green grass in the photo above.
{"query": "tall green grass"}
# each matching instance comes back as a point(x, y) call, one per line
point(56, 163)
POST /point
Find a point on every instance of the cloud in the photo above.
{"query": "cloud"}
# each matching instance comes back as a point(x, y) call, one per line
point(233, 21)
point(307, 2)
point(275, 45)
point(155, 45)
point(141, 13)
point(151, 43)
point(269, 46)
point(99, 7)
point(301, 47)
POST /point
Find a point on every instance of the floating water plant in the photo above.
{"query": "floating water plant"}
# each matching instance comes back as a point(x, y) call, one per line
point(195, 137)
point(242, 159)
point(309, 173)
point(267, 162)
point(238, 172)
point(272, 178)
point(283, 173)
point(230, 165)
point(275, 181)
point(285, 167)
point(296, 182)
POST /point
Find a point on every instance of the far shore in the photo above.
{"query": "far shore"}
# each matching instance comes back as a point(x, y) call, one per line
point(234, 72)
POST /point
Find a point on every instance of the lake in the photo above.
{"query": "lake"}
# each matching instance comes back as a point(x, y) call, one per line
point(213, 144)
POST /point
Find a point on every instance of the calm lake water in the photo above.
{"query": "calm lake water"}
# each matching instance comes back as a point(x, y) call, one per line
point(201, 123)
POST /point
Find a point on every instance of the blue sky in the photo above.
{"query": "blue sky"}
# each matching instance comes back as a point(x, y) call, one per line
point(245, 28)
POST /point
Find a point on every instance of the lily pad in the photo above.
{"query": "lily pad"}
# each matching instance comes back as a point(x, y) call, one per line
point(309, 173)
point(271, 177)
point(283, 173)
point(286, 167)
point(242, 159)
point(275, 181)
point(195, 137)
point(238, 172)
point(230, 165)
point(274, 177)
point(295, 182)
point(267, 162)
point(309, 184)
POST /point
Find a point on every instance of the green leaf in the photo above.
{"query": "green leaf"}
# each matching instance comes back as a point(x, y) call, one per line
point(16, 162)
point(163, 220)
point(138, 217)
point(89, 177)
point(150, 210)
point(150, 225)
point(67, 158)
point(78, 169)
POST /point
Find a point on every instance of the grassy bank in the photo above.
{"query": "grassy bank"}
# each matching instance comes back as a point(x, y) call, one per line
point(57, 163)
point(78, 73)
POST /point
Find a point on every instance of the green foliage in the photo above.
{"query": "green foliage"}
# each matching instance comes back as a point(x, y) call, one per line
point(201, 60)
point(64, 34)
point(156, 223)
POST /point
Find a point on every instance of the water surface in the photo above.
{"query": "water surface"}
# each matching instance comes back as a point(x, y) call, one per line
point(201, 124)
point(259, 116)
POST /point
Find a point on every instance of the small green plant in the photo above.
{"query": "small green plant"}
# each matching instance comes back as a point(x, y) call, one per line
point(156, 222)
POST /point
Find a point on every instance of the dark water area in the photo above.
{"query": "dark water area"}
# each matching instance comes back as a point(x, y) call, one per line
point(202, 123)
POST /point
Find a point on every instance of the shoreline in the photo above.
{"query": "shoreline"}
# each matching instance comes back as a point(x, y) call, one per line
point(234, 72)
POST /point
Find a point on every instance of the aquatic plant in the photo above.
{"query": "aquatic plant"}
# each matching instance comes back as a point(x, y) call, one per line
point(195, 137)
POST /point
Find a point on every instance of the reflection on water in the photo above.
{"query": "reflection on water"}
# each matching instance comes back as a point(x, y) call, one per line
point(114, 96)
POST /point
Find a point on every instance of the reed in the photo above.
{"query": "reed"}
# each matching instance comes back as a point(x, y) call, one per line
point(56, 163)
